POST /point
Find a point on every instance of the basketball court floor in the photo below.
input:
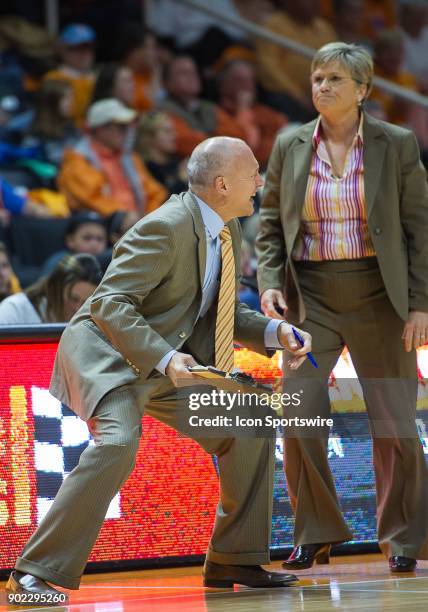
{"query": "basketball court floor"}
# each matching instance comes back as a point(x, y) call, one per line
point(348, 583)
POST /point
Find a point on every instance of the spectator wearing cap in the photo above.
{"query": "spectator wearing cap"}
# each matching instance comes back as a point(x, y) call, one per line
point(101, 174)
point(194, 119)
point(86, 232)
point(76, 49)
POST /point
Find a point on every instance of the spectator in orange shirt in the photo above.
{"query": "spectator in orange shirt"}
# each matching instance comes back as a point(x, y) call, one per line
point(238, 98)
point(138, 50)
point(100, 174)
point(76, 48)
point(194, 119)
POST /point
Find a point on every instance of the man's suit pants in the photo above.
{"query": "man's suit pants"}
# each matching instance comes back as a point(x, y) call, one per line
point(346, 304)
point(59, 548)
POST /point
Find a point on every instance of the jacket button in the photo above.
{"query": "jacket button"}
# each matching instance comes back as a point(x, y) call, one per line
point(377, 231)
point(182, 334)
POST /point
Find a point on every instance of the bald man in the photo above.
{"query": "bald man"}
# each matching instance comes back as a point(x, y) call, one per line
point(124, 353)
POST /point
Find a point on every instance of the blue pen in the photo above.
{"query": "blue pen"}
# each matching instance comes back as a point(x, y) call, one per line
point(302, 342)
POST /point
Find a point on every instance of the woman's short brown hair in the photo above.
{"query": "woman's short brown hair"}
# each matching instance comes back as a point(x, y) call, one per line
point(355, 58)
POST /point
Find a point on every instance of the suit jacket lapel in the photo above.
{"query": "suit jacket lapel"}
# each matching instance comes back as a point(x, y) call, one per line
point(302, 157)
point(236, 244)
point(374, 153)
point(199, 228)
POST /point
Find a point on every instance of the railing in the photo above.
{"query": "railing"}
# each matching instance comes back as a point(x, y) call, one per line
point(23, 333)
point(291, 45)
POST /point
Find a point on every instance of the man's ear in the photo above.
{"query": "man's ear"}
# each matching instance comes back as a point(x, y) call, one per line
point(220, 185)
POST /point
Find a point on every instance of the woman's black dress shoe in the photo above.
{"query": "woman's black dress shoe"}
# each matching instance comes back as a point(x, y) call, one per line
point(304, 556)
point(402, 564)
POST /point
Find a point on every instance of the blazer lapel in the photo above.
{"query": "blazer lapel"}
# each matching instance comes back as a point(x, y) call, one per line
point(374, 153)
point(302, 157)
point(235, 232)
point(199, 228)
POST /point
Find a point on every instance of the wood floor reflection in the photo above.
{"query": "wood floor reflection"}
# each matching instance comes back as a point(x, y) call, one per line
point(348, 583)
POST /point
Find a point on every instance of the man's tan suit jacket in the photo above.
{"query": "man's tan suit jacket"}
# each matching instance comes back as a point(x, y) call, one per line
point(396, 195)
point(146, 305)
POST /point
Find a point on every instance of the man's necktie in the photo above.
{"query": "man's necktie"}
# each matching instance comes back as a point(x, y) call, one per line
point(226, 305)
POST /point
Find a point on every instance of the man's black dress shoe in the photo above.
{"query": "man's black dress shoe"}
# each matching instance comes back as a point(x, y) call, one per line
point(225, 576)
point(402, 564)
point(28, 585)
point(304, 556)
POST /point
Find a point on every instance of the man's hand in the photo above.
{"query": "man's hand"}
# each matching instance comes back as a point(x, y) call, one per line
point(271, 300)
point(415, 333)
point(34, 209)
point(289, 342)
point(177, 368)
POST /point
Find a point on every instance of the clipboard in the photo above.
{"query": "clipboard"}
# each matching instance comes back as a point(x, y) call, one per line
point(233, 381)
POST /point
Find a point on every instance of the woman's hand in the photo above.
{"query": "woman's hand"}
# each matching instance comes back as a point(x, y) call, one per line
point(415, 333)
point(272, 301)
point(289, 342)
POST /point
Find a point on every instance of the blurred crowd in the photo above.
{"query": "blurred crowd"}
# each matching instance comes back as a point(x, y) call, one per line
point(96, 125)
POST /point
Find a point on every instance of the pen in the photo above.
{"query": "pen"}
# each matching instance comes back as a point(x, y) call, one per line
point(302, 342)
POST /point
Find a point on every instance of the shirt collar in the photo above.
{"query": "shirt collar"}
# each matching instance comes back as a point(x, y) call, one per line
point(318, 133)
point(212, 220)
point(103, 151)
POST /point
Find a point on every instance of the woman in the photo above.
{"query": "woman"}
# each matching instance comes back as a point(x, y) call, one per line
point(115, 80)
point(342, 246)
point(53, 128)
point(137, 49)
point(156, 143)
point(54, 298)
